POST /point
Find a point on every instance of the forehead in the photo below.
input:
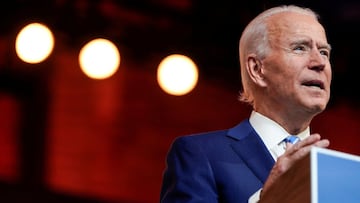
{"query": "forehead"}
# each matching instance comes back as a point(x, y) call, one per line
point(290, 25)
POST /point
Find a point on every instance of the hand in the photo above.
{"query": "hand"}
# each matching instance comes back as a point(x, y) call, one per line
point(292, 154)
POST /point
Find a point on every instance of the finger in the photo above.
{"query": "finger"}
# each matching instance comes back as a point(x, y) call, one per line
point(311, 140)
point(305, 150)
point(306, 144)
point(322, 143)
point(314, 140)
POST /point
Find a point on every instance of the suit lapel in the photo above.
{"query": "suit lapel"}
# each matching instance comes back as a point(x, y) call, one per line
point(251, 150)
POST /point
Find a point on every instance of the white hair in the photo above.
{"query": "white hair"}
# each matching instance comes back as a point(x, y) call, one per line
point(255, 39)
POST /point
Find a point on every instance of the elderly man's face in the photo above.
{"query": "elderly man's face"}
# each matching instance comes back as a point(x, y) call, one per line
point(297, 70)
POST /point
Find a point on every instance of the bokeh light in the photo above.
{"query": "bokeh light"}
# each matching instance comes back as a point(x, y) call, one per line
point(177, 74)
point(99, 58)
point(34, 43)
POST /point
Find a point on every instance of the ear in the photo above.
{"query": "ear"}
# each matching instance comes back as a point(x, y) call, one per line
point(255, 70)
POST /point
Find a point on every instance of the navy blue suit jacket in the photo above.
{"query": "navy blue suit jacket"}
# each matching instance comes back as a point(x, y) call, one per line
point(221, 166)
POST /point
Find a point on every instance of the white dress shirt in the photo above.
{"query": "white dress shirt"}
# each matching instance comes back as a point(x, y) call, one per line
point(272, 134)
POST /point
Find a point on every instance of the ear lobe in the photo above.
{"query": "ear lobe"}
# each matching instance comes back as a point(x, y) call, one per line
point(255, 70)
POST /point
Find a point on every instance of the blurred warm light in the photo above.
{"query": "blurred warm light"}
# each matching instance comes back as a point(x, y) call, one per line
point(177, 74)
point(34, 43)
point(99, 59)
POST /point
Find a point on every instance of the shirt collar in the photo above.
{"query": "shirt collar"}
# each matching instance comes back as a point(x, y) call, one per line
point(271, 132)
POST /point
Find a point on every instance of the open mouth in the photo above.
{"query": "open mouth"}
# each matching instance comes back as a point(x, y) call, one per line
point(314, 84)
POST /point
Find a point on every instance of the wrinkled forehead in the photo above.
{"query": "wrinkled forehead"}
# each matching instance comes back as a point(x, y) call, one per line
point(287, 25)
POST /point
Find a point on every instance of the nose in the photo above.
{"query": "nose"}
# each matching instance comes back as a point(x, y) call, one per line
point(317, 60)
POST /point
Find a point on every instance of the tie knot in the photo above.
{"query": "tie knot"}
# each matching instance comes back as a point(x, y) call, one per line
point(292, 139)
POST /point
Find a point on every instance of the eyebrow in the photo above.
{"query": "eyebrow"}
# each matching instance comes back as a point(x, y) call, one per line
point(308, 42)
point(326, 46)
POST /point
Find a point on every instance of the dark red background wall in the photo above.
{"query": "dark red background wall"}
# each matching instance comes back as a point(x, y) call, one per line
point(67, 138)
point(107, 140)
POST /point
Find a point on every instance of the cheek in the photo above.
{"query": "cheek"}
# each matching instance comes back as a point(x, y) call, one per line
point(281, 85)
point(329, 74)
point(284, 77)
point(281, 71)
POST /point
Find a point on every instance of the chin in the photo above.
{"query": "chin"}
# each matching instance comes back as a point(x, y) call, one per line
point(317, 108)
point(318, 103)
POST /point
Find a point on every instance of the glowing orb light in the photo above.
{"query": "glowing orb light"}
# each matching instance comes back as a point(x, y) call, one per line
point(177, 74)
point(99, 59)
point(34, 43)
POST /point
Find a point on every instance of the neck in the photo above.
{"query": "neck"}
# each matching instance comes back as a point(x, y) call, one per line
point(293, 122)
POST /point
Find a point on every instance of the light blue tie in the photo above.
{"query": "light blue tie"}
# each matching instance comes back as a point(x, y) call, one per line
point(292, 139)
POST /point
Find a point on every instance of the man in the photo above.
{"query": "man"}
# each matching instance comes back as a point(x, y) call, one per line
point(286, 76)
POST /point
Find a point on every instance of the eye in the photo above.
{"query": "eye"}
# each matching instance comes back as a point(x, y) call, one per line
point(300, 48)
point(325, 52)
